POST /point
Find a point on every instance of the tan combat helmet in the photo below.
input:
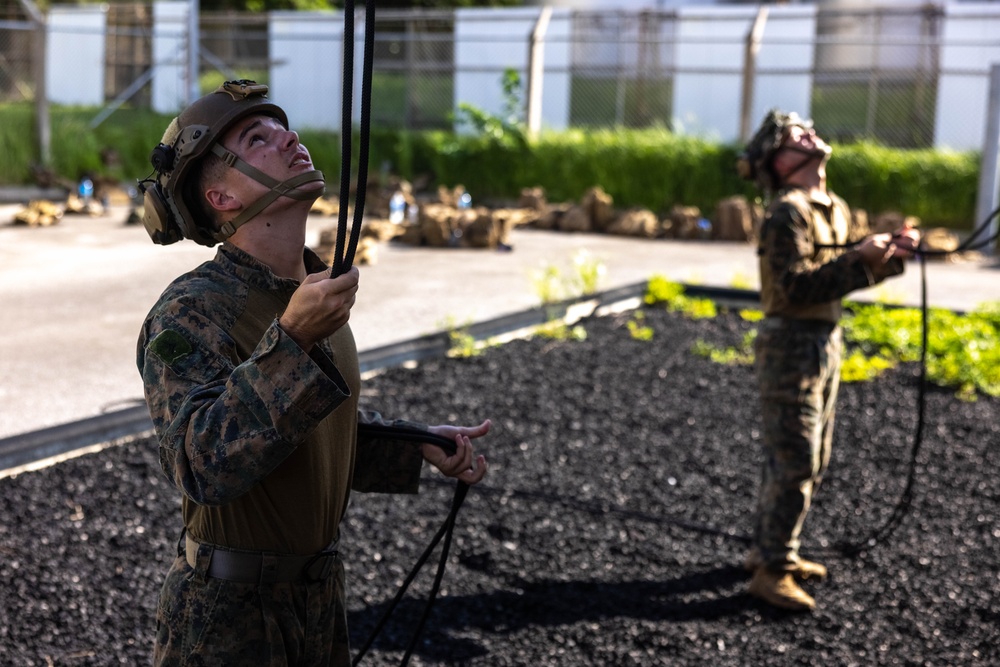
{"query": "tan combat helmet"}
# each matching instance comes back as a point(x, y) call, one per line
point(754, 164)
point(171, 209)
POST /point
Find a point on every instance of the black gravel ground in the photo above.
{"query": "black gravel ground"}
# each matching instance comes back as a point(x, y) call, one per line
point(609, 531)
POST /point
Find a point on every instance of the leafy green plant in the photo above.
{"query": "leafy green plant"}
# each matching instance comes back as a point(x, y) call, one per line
point(963, 350)
point(548, 284)
point(506, 129)
point(857, 367)
point(588, 272)
point(741, 281)
point(559, 330)
point(741, 356)
point(551, 285)
point(462, 343)
point(659, 289)
point(637, 329)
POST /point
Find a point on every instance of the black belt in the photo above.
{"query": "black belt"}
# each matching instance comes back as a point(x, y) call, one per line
point(261, 567)
point(792, 324)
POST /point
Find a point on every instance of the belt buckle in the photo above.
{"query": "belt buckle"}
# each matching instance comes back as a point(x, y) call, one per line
point(326, 559)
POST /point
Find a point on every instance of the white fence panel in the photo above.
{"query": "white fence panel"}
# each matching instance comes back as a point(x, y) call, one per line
point(710, 54)
point(963, 87)
point(490, 41)
point(170, 47)
point(307, 63)
point(74, 57)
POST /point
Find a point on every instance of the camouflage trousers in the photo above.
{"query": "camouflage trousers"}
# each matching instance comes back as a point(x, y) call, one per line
point(798, 369)
point(201, 620)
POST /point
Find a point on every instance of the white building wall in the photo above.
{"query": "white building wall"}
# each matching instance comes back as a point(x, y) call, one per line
point(74, 54)
point(710, 55)
point(307, 67)
point(170, 46)
point(963, 87)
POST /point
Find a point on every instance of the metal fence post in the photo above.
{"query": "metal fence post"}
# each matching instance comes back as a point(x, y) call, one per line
point(989, 171)
point(750, 71)
point(194, 52)
point(42, 121)
point(536, 71)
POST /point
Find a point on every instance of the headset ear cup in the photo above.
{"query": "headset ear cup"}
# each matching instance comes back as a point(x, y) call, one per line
point(156, 216)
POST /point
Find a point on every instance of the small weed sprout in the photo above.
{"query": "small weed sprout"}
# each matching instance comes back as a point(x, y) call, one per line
point(588, 272)
point(637, 329)
point(462, 343)
point(548, 284)
point(552, 286)
point(559, 330)
point(741, 281)
point(742, 355)
point(661, 290)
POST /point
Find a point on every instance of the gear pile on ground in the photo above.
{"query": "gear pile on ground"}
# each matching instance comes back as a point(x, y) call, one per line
point(610, 529)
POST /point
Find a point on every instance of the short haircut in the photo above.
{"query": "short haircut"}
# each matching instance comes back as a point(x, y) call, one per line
point(206, 173)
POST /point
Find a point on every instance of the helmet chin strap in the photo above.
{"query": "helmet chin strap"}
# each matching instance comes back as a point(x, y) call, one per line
point(809, 154)
point(287, 188)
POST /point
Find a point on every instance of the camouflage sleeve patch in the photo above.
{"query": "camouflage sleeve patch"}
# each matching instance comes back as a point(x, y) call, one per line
point(170, 346)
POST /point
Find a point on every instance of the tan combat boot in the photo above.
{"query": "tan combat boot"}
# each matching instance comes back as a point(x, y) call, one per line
point(804, 569)
point(780, 589)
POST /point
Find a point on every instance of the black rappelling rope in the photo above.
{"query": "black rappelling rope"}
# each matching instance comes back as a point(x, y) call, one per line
point(445, 531)
point(906, 497)
point(343, 258)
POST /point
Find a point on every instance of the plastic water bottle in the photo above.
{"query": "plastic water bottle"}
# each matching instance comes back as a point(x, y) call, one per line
point(397, 208)
point(465, 201)
point(86, 189)
point(704, 228)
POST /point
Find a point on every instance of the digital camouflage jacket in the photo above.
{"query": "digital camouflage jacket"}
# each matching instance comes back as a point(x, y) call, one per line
point(260, 436)
point(802, 279)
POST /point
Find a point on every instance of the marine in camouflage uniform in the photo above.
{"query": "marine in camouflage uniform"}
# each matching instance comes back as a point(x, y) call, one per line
point(257, 415)
point(811, 255)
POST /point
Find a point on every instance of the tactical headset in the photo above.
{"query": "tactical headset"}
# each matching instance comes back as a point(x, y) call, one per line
point(170, 195)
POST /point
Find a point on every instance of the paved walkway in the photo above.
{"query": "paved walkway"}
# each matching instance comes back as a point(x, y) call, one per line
point(74, 295)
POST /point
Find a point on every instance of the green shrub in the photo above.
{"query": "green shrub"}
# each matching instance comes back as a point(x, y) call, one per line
point(939, 187)
point(652, 168)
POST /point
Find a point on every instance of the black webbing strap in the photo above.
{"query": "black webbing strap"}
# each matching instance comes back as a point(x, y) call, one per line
point(444, 532)
point(343, 257)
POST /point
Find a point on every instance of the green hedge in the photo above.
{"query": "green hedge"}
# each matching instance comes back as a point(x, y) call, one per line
point(657, 169)
point(650, 168)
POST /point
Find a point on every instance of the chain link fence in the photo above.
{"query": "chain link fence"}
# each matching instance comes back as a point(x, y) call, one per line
point(869, 73)
point(17, 32)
